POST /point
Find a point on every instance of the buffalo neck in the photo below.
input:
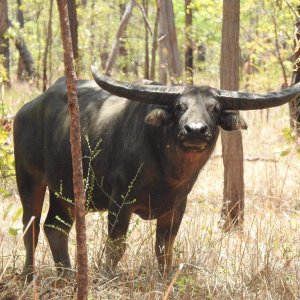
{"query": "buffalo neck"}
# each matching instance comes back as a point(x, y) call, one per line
point(178, 165)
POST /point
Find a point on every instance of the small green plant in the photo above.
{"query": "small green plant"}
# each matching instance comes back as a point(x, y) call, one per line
point(3, 73)
point(13, 230)
point(290, 145)
point(89, 181)
point(187, 285)
point(6, 156)
point(6, 164)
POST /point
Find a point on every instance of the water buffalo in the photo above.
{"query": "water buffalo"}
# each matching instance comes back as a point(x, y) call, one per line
point(153, 141)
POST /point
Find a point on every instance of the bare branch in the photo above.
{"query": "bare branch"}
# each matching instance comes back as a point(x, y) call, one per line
point(116, 45)
point(145, 19)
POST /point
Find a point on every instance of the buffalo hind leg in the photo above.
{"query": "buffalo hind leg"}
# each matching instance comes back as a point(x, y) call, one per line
point(57, 227)
point(32, 193)
point(118, 223)
point(166, 231)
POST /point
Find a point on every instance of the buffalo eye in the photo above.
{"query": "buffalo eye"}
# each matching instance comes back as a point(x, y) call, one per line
point(180, 106)
point(216, 109)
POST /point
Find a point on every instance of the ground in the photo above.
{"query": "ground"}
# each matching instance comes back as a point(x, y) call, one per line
point(259, 262)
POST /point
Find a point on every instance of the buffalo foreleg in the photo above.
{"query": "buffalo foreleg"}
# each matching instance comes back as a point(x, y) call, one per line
point(166, 231)
point(57, 226)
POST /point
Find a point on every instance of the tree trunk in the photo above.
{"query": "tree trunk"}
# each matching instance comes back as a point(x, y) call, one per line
point(25, 62)
point(232, 147)
point(154, 42)
point(25, 56)
point(20, 18)
point(116, 45)
point(4, 41)
point(74, 30)
point(92, 35)
point(169, 53)
point(294, 105)
point(20, 15)
point(25, 59)
point(75, 139)
point(189, 42)
point(146, 66)
point(123, 52)
point(48, 42)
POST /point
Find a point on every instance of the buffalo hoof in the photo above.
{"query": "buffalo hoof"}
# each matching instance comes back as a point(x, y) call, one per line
point(27, 274)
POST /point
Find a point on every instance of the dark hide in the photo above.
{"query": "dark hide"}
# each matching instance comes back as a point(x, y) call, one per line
point(159, 149)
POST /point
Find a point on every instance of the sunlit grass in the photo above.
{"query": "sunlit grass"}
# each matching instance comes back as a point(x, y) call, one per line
point(259, 262)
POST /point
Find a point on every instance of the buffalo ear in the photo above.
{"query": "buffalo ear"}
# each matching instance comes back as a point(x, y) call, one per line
point(159, 117)
point(231, 121)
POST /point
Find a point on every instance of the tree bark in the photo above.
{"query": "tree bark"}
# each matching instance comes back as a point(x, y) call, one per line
point(146, 66)
point(189, 42)
point(123, 52)
point(116, 45)
point(25, 57)
point(294, 106)
point(92, 35)
point(154, 42)
point(232, 147)
point(47, 46)
point(20, 18)
point(75, 139)
point(4, 41)
point(74, 30)
point(20, 15)
point(168, 47)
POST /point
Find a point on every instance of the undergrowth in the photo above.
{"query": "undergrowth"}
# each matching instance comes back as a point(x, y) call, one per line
point(259, 262)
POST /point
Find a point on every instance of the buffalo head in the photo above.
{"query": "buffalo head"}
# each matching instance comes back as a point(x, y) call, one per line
point(195, 111)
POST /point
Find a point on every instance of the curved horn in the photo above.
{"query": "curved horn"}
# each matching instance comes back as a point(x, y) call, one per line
point(149, 94)
point(247, 101)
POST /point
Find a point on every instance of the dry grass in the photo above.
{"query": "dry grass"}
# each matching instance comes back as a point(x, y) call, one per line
point(262, 262)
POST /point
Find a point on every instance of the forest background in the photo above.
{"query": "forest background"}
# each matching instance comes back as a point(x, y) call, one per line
point(266, 39)
point(260, 263)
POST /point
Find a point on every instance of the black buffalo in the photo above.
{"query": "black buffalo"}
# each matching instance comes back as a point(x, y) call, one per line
point(143, 147)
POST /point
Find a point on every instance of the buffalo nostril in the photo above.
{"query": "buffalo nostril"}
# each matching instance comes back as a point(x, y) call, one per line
point(196, 128)
point(203, 129)
point(188, 128)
